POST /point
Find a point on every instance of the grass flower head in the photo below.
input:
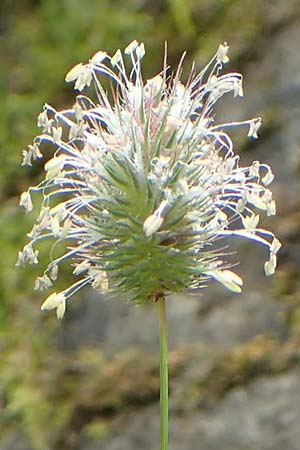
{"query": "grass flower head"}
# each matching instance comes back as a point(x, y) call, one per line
point(144, 186)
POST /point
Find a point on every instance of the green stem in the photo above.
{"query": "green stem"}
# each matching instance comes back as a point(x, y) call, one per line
point(163, 373)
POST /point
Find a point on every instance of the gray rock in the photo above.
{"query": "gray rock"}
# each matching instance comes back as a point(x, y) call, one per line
point(264, 415)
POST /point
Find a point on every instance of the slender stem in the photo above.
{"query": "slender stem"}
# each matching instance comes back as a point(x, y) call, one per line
point(163, 373)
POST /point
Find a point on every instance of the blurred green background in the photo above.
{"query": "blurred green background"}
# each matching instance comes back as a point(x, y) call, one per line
point(91, 381)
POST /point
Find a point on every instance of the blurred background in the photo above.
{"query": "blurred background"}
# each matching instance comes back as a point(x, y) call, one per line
point(91, 381)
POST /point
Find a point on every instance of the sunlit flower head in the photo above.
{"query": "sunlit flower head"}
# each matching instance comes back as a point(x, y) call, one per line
point(144, 186)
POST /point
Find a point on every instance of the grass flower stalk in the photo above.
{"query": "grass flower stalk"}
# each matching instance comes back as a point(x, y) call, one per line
point(163, 373)
point(144, 189)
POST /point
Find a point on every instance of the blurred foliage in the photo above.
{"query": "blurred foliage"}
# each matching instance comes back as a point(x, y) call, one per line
point(40, 41)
